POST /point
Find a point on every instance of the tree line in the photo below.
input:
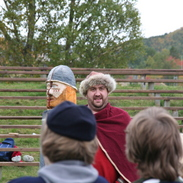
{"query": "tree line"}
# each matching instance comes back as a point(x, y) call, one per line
point(90, 33)
point(162, 52)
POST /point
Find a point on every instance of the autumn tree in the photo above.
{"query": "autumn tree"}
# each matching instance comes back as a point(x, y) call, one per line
point(150, 63)
point(160, 60)
point(174, 52)
point(90, 33)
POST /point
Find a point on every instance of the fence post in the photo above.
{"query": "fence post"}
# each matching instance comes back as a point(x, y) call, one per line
point(157, 102)
point(175, 77)
point(143, 84)
point(175, 113)
point(166, 103)
point(151, 87)
point(1, 172)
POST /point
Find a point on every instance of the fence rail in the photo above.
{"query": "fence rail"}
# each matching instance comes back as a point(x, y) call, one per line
point(147, 79)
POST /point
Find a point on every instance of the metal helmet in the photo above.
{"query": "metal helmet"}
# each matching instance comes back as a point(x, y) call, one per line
point(63, 74)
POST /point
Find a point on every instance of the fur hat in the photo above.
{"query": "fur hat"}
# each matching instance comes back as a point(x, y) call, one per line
point(97, 78)
point(71, 120)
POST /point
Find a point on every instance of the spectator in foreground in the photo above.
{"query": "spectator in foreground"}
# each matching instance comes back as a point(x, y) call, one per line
point(68, 142)
point(153, 142)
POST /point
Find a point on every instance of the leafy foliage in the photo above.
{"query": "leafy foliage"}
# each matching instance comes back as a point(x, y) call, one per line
point(172, 41)
point(75, 33)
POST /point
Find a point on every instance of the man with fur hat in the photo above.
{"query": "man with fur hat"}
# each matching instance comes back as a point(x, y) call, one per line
point(68, 141)
point(110, 159)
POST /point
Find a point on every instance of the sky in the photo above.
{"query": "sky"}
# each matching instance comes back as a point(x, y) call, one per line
point(160, 16)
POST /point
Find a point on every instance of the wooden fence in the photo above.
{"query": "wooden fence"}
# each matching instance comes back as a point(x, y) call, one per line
point(147, 79)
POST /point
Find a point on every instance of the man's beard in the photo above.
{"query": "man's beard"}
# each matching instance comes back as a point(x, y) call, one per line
point(99, 107)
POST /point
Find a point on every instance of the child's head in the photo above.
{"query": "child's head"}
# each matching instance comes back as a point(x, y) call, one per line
point(153, 142)
point(69, 133)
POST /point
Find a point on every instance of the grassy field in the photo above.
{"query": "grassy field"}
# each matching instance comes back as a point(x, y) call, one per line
point(13, 172)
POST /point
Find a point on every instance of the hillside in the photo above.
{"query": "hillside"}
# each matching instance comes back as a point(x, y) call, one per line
point(167, 41)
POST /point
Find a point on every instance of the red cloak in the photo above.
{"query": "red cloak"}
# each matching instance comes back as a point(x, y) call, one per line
point(111, 125)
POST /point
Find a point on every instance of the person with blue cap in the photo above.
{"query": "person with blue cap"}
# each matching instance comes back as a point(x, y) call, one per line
point(69, 144)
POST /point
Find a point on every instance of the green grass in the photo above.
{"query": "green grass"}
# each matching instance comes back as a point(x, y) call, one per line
point(14, 172)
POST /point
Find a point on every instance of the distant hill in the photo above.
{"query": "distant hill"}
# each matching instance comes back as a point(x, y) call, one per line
point(167, 41)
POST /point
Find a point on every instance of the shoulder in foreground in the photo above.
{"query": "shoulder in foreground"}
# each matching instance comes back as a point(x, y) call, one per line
point(101, 179)
point(27, 180)
point(142, 180)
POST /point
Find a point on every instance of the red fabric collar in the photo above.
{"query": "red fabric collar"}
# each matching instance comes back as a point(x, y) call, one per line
point(111, 123)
